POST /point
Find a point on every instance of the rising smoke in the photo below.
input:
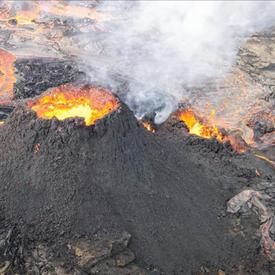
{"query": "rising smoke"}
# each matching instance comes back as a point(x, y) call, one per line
point(159, 49)
point(162, 47)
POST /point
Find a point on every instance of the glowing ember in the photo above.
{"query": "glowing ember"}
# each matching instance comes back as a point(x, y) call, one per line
point(148, 126)
point(7, 78)
point(196, 127)
point(67, 101)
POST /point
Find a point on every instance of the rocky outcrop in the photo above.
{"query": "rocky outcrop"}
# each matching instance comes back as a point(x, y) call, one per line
point(103, 254)
point(35, 75)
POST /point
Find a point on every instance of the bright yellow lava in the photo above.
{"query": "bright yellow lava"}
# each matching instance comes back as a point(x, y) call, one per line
point(67, 101)
point(197, 127)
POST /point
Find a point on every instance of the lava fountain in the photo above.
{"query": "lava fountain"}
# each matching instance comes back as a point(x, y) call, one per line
point(68, 101)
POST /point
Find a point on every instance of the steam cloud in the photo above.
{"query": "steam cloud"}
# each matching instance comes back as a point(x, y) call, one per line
point(161, 47)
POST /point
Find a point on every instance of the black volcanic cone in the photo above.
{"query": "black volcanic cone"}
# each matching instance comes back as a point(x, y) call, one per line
point(63, 178)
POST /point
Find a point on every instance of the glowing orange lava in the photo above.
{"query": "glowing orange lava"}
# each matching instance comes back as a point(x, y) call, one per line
point(197, 127)
point(7, 78)
point(148, 126)
point(68, 101)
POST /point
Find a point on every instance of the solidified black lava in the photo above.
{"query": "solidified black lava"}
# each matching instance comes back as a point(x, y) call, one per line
point(63, 178)
point(261, 123)
point(36, 75)
point(5, 111)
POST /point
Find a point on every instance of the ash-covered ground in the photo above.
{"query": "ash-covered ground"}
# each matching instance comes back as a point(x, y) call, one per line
point(114, 198)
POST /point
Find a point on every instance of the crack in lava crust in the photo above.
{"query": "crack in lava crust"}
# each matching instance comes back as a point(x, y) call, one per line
point(68, 101)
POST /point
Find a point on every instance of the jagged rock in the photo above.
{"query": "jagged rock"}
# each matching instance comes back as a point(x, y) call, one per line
point(88, 253)
point(36, 75)
point(124, 258)
point(262, 123)
point(81, 256)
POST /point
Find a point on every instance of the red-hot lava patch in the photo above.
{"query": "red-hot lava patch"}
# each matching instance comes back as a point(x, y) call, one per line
point(68, 101)
point(197, 126)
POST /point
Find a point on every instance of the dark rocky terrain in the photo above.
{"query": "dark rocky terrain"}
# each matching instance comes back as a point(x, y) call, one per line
point(114, 198)
point(32, 80)
point(62, 182)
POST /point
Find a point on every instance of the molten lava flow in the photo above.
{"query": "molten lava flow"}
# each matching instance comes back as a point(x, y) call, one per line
point(68, 101)
point(148, 126)
point(7, 78)
point(238, 100)
point(196, 127)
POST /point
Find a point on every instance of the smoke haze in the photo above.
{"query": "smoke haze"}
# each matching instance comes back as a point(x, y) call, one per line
point(157, 49)
point(162, 47)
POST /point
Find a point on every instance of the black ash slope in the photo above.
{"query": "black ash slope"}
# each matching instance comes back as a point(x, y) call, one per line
point(62, 178)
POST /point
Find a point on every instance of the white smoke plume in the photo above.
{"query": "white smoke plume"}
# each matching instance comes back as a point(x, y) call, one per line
point(160, 47)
